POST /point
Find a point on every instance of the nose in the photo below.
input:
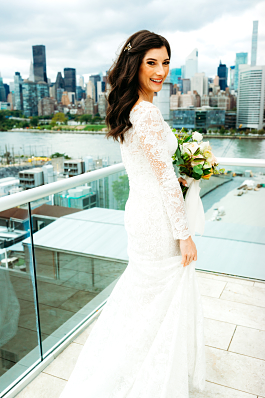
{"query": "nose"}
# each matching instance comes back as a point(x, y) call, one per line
point(160, 71)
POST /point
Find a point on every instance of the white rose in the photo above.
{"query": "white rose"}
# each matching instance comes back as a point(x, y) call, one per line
point(190, 147)
point(204, 146)
point(197, 136)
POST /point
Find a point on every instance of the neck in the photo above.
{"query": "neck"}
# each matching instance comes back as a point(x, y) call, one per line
point(146, 96)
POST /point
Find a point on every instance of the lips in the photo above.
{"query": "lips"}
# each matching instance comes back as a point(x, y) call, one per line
point(156, 81)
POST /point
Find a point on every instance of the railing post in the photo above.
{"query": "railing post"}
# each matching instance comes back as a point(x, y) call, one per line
point(34, 283)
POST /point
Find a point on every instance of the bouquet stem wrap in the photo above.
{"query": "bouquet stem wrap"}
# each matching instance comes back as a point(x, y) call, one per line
point(194, 207)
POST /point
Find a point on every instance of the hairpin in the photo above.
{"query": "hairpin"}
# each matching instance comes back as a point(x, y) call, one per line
point(128, 47)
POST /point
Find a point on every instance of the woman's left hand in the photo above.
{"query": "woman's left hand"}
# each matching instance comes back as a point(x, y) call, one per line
point(181, 180)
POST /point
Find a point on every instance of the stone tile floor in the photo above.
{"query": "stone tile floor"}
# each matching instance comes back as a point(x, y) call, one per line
point(234, 311)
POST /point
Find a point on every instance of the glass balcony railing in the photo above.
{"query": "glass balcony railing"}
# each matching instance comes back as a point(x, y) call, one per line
point(63, 247)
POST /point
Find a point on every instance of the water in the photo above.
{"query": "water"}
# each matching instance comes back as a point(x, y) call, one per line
point(97, 146)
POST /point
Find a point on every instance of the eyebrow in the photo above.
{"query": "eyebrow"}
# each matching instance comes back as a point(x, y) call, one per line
point(153, 59)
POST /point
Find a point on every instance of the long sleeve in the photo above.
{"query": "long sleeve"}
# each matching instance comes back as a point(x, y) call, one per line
point(152, 140)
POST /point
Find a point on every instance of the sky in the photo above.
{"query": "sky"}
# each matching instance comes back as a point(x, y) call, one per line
point(87, 35)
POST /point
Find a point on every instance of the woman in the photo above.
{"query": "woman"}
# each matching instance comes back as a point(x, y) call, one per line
point(148, 341)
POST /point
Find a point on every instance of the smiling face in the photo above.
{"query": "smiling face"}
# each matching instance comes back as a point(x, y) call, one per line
point(153, 70)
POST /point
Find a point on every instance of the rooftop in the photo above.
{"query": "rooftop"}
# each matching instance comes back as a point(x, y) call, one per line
point(234, 339)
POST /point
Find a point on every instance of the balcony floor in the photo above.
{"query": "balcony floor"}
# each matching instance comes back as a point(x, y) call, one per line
point(234, 336)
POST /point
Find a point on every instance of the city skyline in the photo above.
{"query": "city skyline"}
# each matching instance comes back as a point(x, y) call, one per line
point(90, 48)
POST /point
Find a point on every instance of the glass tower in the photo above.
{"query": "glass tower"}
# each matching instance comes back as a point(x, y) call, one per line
point(39, 63)
point(191, 65)
point(241, 58)
point(30, 98)
point(2, 90)
point(222, 72)
point(18, 91)
point(69, 80)
point(94, 79)
point(254, 43)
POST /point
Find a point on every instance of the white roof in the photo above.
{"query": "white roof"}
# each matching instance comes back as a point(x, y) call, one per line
point(93, 232)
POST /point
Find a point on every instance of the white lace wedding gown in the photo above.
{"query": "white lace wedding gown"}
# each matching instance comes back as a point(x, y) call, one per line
point(148, 341)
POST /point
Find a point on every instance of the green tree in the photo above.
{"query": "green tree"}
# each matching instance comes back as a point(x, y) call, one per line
point(59, 117)
point(34, 121)
point(121, 191)
point(86, 118)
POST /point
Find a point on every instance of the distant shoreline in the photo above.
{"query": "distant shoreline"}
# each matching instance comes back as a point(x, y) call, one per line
point(259, 137)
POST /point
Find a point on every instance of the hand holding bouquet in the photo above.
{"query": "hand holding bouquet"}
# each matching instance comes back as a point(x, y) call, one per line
point(194, 157)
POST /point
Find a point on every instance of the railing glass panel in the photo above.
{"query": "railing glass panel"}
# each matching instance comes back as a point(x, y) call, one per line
point(234, 238)
point(19, 332)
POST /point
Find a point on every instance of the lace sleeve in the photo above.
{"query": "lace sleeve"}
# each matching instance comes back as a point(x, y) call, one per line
point(152, 139)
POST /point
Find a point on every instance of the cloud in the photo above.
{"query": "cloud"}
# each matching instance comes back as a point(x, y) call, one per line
point(86, 35)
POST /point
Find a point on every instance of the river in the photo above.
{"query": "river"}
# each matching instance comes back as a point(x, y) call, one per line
point(97, 146)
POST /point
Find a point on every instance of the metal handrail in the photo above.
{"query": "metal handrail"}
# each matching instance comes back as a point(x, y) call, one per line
point(20, 198)
point(32, 194)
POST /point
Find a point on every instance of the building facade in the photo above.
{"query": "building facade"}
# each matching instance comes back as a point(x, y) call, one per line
point(18, 91)
point(94, 79)
point(254, 43)
point(199, 83)
point(250, 100)
point(222, 72)
point(241, 59)
point(185, 86)
point(46, 106)
point(30, 98)
point(89, 106)
point(39, 63)
point(102, 105)
point(70, 80)
point(191, 65)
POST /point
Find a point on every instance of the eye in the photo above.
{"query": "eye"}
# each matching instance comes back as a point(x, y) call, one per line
point(166, 63)
point(150, 62)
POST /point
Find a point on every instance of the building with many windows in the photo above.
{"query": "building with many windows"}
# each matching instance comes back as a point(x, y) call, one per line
point(198, 118)
point(94, 79)
point(199, 83)
point(46, 106)
point(241, 59)
point(2, 90)
point(39, 63)
point(250, 100)
point(70, 80)
point(18, 91)
point(222, 72)
point(185, 86)
point(30, 98)
point(254, 43)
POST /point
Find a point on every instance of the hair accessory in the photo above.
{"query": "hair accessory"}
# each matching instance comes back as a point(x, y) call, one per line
point(128, 47)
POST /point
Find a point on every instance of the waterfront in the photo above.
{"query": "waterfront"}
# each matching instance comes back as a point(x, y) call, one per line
point(78, 145)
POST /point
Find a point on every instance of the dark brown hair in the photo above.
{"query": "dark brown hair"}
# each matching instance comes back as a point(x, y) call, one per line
point(123, 78)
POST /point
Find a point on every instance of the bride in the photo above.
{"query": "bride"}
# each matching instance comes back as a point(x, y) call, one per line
point(148, 341)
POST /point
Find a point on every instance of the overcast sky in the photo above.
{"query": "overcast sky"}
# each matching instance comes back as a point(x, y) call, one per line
point(86, 34)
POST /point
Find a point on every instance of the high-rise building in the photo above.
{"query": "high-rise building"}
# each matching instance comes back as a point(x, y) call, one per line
point(42, 90)
point(232, 78)
point(241, 58)
point(69, 80)
point(185, 85)
point(102, 105)
point(59, 84)
point(39, 63)
point(162, 100)
point(60, 92)
point(101, 86)
point(90, 90)
point(199, 83)
point(2, 90)
point(30, 98)
point(81, 82)
point(94, 79)
point(254, 43)
point(174, 75)
point(89, 106)
point(191, 65)
point(65, 99)
point(31, 72)
point(7, 89)
point(46, 106)
point(18, 91)
point(250, 99)
point(183, 76)
point(222, 72)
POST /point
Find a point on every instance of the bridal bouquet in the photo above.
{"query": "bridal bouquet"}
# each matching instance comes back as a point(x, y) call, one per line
point(195, 160)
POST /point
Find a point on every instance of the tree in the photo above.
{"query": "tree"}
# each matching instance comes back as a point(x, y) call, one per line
point(86, 118)
point(59, 117)
point(121, 191)
point(34, 121)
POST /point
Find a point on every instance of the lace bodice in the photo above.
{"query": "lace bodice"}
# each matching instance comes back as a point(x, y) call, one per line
point(146, 154)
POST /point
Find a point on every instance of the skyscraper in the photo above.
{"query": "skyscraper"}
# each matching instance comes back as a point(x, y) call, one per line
point(241, 58)
point(199, 83)
point(2, 90)
point(30, 98)
point(222, 72)
point(90, 90)
point(59, 84)
point(70, 80)
point(191, 65)
point(81, 82)
point(94, 79)
point(232, 78)
point(39, 63)
point(250, 99)
point(254, 43)
point(31, 72)
point(18, 91)
point(174, 74)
